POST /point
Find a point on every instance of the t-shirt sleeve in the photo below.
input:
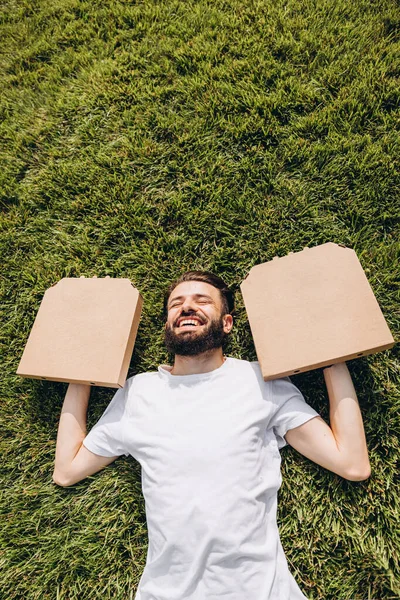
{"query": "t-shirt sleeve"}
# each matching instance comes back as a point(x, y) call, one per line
point(289, 408)
point(106, 437)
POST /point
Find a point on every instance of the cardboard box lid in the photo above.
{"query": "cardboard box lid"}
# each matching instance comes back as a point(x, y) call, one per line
point(311, 309)
point(84, 332)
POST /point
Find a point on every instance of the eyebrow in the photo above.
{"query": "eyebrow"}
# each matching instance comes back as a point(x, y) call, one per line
point(197, 296)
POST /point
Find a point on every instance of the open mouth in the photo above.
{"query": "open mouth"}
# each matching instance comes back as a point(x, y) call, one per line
point(188, 323)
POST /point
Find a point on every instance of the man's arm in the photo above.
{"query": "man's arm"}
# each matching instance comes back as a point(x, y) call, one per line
point(340, 447)
point(73, 461)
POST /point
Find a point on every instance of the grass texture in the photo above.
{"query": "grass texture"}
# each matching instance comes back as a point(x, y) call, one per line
point(142, 139)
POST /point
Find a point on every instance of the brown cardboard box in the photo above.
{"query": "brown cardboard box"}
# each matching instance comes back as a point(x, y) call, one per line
point(84, 332)
point(311, 309)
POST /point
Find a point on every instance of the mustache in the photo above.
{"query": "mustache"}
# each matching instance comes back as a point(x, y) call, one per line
point(188, 314)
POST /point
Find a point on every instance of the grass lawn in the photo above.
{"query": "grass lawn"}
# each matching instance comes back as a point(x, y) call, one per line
point(142, 139)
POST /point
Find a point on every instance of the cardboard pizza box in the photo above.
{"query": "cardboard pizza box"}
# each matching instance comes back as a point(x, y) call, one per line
point(311, 309)
point(84, 332)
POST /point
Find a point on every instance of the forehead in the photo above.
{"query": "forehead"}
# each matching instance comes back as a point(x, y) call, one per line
point(195, 288)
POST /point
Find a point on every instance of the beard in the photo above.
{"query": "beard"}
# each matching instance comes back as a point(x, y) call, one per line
point(195, 342)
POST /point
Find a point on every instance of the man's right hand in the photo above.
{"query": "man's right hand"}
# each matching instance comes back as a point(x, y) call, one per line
point(73, 461)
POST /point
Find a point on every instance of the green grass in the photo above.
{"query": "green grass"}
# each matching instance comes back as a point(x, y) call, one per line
point(142, 139)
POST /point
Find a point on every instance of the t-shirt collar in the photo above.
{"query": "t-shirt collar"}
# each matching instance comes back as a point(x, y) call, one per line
point(165, 373)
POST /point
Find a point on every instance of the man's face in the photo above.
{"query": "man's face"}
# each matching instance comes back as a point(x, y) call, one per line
point(195, 322)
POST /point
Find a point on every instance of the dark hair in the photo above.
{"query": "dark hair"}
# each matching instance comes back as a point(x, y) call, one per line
point(227, 295)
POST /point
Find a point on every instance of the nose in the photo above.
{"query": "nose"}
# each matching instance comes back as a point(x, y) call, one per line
point(188, 305)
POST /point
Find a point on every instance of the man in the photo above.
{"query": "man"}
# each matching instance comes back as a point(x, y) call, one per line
point(207, 433)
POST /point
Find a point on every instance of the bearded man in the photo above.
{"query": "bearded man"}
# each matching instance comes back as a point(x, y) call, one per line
point(207, 433)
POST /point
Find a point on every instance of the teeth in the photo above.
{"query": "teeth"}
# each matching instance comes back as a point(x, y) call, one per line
point(188, 322)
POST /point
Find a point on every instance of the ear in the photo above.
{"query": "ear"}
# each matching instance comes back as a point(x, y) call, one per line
point(228, 323)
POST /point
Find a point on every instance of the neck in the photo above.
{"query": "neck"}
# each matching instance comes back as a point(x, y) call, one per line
point(201, 363)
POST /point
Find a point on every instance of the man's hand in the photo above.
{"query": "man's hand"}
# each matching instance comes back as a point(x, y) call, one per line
point(73, 461)
point(342, 447)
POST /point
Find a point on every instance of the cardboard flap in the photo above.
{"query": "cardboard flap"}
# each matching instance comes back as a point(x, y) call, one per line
point(312, 308)
point(84, 332)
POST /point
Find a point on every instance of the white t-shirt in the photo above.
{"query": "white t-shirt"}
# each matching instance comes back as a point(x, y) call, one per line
point(208, 448)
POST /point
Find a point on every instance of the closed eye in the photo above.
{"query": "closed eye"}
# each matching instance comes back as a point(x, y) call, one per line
point(199, 299)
